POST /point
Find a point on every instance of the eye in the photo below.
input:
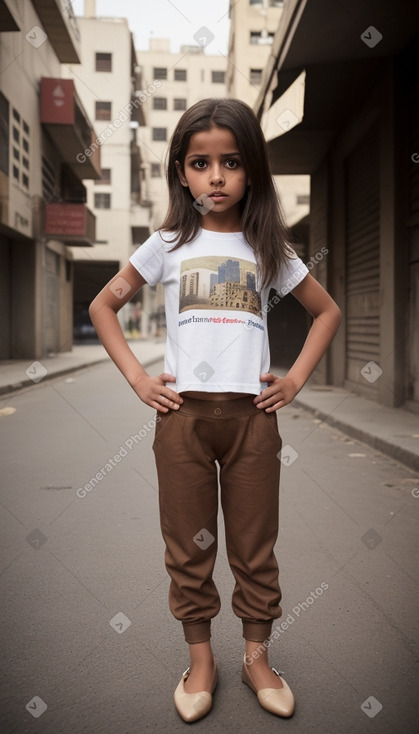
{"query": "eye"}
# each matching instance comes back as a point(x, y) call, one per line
point(200, 163)
point(232, 163)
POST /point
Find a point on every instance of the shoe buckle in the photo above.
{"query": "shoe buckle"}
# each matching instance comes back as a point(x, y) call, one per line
point(278, 673)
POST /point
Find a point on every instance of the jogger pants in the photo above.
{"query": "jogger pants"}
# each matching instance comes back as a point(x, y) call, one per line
point(244, 441)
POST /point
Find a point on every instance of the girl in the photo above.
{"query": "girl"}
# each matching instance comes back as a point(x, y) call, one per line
point(221, 248)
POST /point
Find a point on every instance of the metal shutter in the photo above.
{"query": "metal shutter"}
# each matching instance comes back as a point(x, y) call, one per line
point(362, 228)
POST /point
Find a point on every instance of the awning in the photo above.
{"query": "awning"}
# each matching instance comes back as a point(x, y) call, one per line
point(59, 23)
point(72, 224)
point(67, 123)
point(287, 111)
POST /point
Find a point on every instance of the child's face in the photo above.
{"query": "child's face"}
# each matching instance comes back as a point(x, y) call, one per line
point(213, 168)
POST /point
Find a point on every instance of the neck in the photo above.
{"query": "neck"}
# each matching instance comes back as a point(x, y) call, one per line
point(226, 222)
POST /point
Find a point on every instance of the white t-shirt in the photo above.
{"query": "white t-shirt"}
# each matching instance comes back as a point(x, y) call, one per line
point(216, 317)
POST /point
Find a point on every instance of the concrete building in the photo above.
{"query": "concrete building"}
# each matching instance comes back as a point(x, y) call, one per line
point(43, 127)
point(253, 24)
point(185, 78)
point(111, 90)
point(358, 139)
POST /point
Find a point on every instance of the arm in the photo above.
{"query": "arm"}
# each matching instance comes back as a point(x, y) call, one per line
point(102, 311)
point(327, 317)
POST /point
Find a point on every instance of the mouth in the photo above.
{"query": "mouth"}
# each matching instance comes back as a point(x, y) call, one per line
point(217, 195)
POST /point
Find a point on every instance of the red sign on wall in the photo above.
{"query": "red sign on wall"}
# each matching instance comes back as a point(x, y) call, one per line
point(57, 101)
point(65, 219)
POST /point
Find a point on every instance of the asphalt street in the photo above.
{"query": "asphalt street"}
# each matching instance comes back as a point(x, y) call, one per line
point(88, 642)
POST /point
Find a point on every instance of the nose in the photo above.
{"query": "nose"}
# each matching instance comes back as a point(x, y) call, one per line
point(216, 177)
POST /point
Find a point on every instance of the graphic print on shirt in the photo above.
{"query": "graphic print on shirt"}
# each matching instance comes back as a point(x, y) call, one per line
point(215, 282)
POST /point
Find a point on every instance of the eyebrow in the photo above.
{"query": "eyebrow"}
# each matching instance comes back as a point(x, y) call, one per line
point(205, 155)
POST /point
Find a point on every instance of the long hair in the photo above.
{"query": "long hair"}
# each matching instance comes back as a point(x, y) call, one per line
point(262, 221)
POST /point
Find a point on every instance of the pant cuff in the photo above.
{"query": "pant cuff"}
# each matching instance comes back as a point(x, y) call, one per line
point(257, 631)
point(197, 631)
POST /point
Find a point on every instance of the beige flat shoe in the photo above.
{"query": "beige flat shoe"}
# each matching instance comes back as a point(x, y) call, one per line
point(193, 706)
point(279, 701)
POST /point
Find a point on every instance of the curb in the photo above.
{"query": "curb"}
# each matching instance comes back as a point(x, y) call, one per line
point(15, 387)
point(404, 456)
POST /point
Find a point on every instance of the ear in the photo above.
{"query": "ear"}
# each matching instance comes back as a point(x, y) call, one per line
point(181, 175)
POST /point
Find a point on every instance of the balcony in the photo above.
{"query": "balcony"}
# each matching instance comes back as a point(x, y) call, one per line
point(60, 25)
point(72, 224)
point(67, 123)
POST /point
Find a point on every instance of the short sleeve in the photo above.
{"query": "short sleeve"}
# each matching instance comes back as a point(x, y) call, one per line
point(148, 259)
point(291, 273)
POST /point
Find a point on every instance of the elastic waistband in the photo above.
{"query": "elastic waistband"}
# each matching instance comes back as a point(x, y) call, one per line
point(218, 408)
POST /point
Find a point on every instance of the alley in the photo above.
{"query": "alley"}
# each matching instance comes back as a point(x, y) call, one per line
point(88, 642)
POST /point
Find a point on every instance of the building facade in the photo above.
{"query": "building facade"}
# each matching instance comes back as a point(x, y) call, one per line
point(253, 24)
point(185, 78)
point(43, 127)
point(112, 92)
point(358, 139)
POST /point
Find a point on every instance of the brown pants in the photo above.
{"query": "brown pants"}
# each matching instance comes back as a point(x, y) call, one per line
point(244, 441)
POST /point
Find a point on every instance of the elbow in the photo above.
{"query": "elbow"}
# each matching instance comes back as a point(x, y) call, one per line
point(337, 315)
point(93, 309)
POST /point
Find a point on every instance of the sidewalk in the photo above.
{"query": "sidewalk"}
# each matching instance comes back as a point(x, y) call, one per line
point(15, 374)
point(394, 431)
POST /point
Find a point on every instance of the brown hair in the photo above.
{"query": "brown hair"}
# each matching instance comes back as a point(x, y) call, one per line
point(262, 220)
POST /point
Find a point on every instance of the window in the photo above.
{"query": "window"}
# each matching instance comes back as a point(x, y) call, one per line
point(103, 110)
point(179, 104)
point(255, 76)
point(102, 201)
point(218, 77)
point(106, 178)
point(155, 170)
point(103, 62)
point(261, 38)
point(276, 3)
point(20, 149)
point(159, 133)
point(180, 75)
point(160, 72)
point(255, 36)
point(159, 103)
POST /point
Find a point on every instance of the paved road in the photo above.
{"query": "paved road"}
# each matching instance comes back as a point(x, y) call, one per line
point(88, 643)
